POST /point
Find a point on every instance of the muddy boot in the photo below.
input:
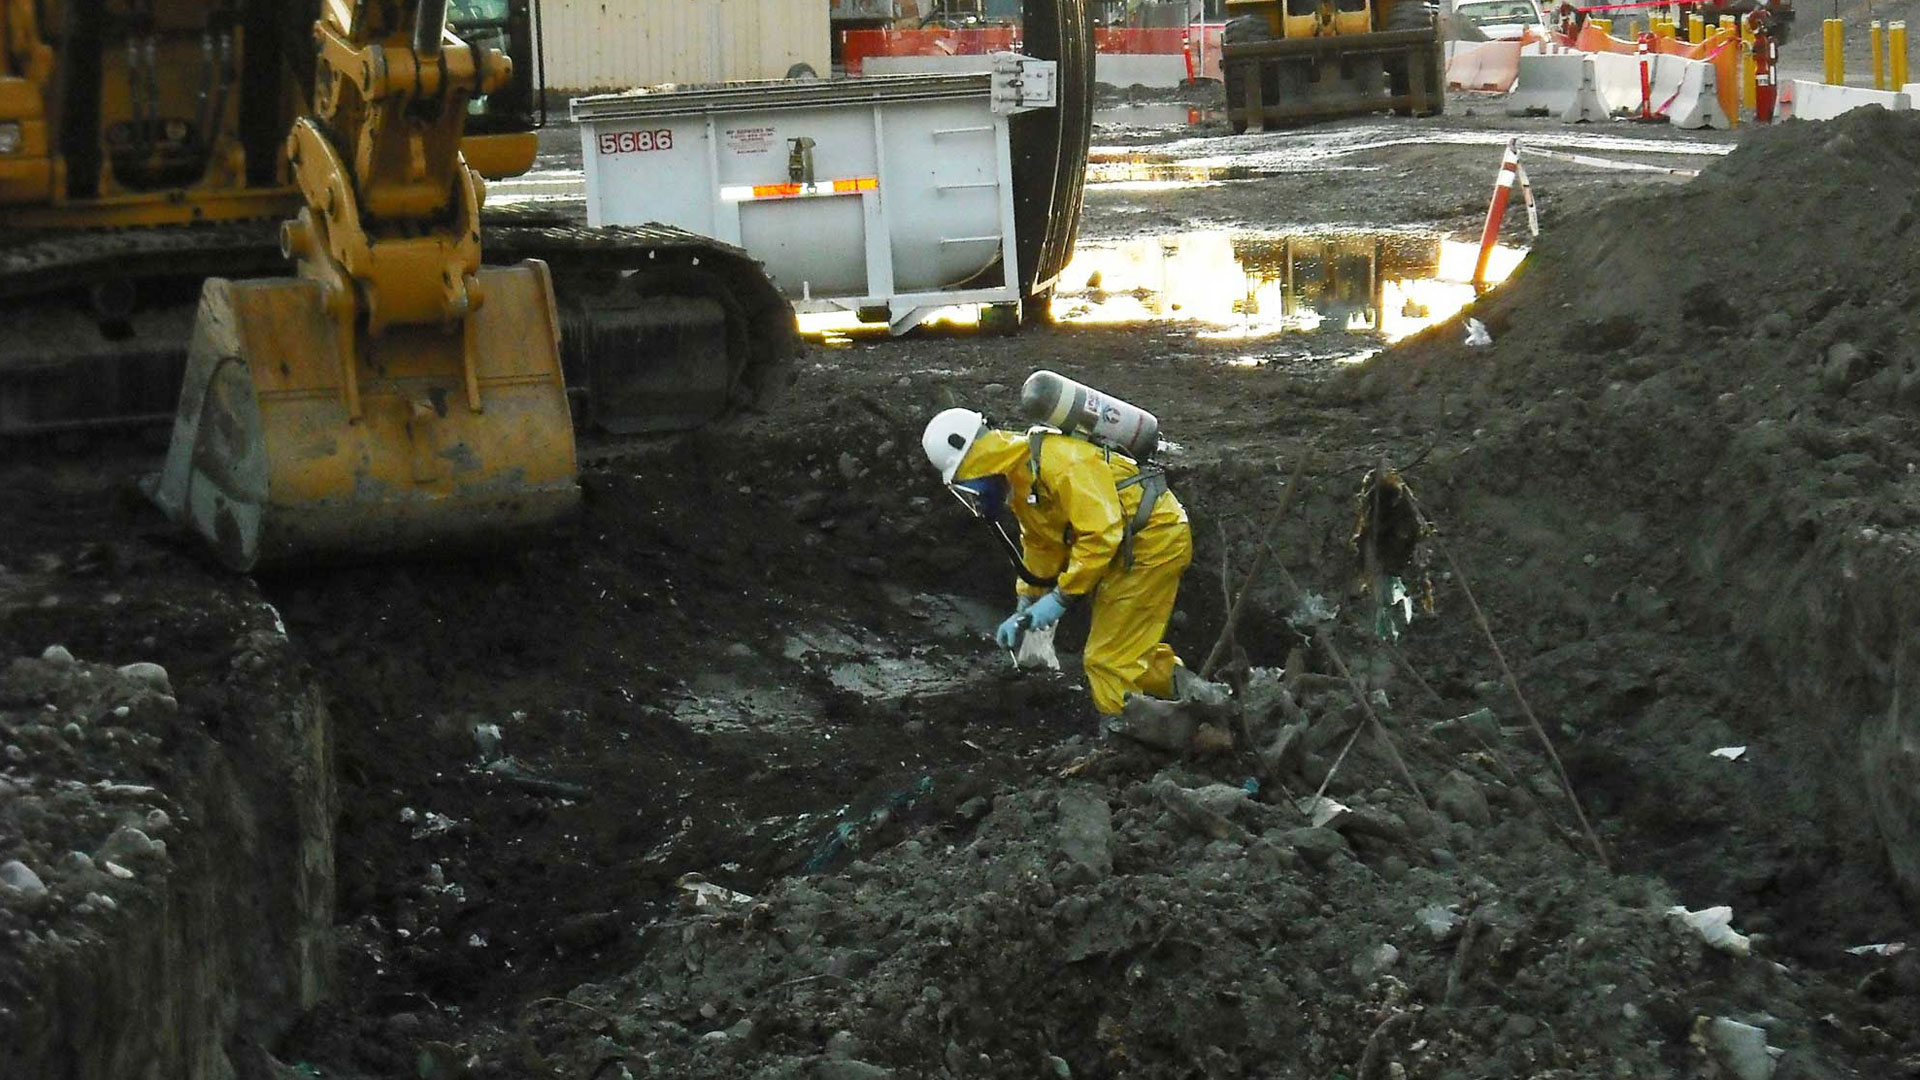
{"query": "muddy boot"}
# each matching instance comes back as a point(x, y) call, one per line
point(1188, 686)
point(1180, 727)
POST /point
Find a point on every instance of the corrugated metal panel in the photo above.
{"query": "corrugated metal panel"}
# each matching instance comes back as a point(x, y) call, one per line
point(597, 45)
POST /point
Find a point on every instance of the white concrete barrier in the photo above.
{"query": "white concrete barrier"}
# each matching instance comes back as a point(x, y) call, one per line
point(1698, 103)
point(1140, 69)
point(1808, 100)
point(1560, 85)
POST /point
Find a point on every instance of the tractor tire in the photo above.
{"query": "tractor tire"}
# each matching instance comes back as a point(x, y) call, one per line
point(1245, 30)
point(1411, 15)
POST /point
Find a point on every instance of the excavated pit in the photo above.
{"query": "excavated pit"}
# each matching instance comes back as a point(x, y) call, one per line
point(761, 657)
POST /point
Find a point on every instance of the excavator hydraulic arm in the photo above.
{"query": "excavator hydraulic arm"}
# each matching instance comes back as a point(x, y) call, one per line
point(26, 63)
point(392, 396)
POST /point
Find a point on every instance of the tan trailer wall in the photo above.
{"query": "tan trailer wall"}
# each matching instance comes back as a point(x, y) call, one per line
point(598, 45)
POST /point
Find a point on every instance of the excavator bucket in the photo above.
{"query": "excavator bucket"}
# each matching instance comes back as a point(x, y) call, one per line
point(425, 440)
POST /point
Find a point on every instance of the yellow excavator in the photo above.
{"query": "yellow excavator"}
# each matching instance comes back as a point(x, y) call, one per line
point(1287, 62)
point(162, 160)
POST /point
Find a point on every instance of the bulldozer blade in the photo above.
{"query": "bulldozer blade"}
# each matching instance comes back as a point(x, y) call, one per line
point(271, 465)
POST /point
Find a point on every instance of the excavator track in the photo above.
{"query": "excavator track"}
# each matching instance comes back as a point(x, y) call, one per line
point(662, 329)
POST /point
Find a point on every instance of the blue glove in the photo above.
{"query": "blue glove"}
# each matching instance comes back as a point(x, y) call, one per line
point(1043, 613)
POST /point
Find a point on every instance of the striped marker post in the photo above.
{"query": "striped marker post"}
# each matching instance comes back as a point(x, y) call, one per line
point(1496, 212)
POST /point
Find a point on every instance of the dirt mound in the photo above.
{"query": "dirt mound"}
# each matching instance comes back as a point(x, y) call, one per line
point(1125, 916)
point(1693, 438)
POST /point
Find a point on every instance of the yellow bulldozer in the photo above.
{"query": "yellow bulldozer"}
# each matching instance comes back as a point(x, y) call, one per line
point(161, 162)
point(1287, 62)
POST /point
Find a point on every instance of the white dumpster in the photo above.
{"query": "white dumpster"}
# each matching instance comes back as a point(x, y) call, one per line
point(889, 194)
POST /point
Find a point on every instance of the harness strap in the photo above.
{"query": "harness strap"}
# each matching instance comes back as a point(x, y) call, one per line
point(1151, 479)
point(1153, 484)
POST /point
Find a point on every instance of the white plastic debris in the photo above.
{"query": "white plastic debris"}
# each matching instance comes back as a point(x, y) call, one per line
point(698, 893)
point(1743, 1048)
point(1036, 650)
point(1320, 809)
point(1477, 336)
point(1731, 753)
point(1715, 927)
point(1885, 948)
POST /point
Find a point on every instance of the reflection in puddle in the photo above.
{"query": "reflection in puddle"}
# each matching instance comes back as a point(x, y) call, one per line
point(1379, 286)
point(1383, 285)
point(1146, 167)
point(1155, 115)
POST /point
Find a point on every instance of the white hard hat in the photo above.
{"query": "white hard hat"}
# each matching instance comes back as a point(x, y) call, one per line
point(948, 438)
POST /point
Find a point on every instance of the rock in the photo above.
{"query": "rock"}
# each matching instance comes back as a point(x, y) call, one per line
point(826, 1068)
point(1317, 846)
point(73, 733)
point(1742, 1048)
point(77, 862)
point(57, 655)
point(849, 466)
point(1221, 798)
point(1844, 365)
point(158, 821)
point(808, 506)
point(153, 675)
point(973, 809)
point(1374, 961)
point(128, 844)
point(1061, 1069)
point(1777, 324)
point(1086, 832)
point(843, 1044)
point(1460, 798)
point(20, 885)
point(1378, 824)
point(1470, 732)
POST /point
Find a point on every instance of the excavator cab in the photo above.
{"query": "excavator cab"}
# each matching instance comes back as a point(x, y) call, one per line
point(392, 396)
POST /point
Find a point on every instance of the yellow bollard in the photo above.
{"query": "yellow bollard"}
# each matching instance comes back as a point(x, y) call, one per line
point(1833, 47)
point(1696, 28)
point(1605, 26)
point(1875, 52)
point(1749, 74)
point(1896, 55)
point(1668, 29)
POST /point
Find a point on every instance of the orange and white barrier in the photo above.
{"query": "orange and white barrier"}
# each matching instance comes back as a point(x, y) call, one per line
point(1483, 65)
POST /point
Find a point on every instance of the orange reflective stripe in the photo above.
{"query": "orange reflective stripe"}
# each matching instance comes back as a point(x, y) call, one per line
point(774, 191)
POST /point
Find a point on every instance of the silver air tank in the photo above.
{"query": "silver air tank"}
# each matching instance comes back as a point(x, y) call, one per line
point(1077, 409)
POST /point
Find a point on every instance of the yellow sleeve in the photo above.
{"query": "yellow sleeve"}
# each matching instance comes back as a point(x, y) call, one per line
point(1085, 487)
point(1044, 555)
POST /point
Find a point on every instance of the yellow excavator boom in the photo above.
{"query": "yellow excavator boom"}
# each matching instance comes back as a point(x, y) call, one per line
point(392, 396)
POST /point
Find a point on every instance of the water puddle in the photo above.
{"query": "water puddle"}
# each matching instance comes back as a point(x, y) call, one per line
point(1384, 286)
point(1365, 289)
point(1156, 115)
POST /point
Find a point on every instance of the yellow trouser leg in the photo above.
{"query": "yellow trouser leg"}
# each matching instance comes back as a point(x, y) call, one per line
point(1130, 611)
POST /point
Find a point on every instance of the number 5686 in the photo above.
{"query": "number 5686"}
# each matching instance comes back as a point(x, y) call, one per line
point(636, 142)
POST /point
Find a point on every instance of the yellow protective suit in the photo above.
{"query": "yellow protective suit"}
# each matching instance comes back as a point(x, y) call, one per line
point(1074, 531)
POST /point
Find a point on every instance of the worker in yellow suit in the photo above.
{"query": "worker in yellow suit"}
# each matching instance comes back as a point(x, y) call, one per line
point(1106, 530)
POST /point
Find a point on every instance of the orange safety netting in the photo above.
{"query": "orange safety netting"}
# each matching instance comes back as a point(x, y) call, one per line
point(1722, 49)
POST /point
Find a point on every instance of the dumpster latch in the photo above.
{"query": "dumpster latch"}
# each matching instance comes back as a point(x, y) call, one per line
point(800, 160)
point(1022, 83)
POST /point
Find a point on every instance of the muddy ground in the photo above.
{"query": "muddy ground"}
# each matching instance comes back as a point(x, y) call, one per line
point(762, 657)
